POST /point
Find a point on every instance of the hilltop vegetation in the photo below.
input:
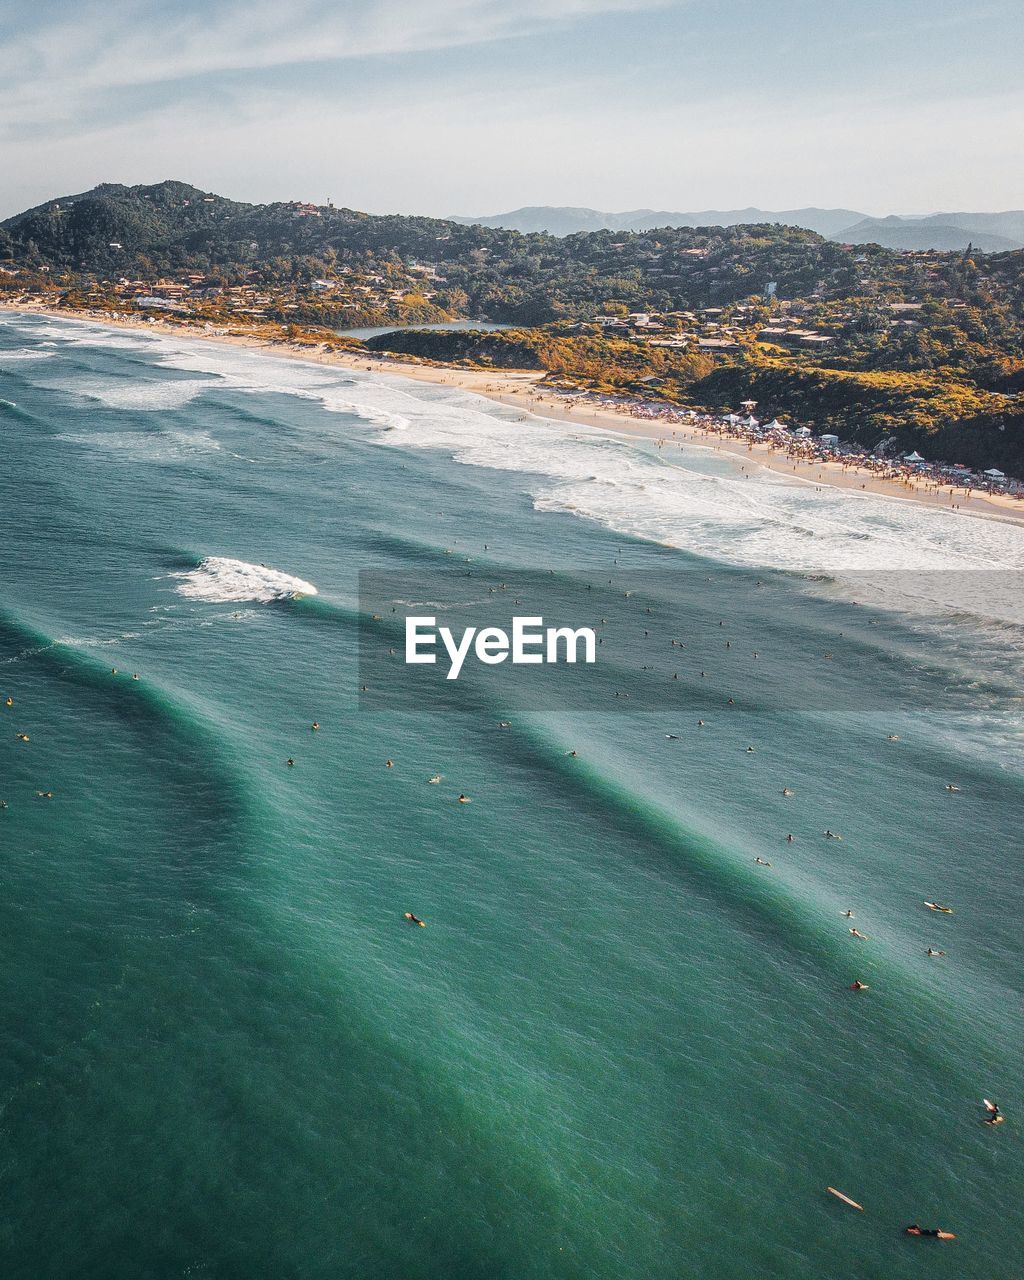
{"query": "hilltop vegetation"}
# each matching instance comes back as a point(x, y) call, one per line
point(529, 279)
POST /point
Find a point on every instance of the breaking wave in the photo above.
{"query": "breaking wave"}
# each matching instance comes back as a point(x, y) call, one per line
point(221, 580)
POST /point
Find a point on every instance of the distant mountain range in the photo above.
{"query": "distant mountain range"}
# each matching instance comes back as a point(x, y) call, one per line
point(987, 232)
point(566, 221)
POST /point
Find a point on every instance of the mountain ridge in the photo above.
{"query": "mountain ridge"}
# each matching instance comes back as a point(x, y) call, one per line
point(986, 232)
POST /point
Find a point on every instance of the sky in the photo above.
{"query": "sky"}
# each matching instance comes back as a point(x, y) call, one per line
point(481, 106)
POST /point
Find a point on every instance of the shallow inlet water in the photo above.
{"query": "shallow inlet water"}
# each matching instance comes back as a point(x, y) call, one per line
point(620, 1048)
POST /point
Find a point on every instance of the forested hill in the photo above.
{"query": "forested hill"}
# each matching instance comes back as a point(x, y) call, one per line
point(149, 231)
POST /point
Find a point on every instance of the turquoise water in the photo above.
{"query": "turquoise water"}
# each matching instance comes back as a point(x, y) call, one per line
point(620, 1048)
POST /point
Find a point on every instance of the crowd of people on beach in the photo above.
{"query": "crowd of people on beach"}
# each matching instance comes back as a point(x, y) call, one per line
point(803, 446)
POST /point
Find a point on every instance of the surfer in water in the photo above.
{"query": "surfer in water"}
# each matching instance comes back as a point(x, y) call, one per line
point(995, 1116)
point(415, 920)
point(857, 985)
point(857, 934)
point(761, 862)
point(934, 1232)
point(932, 952)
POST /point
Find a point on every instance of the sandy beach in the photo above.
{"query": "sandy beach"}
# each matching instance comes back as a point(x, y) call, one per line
point(524, 389)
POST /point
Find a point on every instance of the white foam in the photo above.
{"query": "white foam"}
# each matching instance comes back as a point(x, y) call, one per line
point(25, 353)
point(154, 446)
point(136, 395)
point(222, 580)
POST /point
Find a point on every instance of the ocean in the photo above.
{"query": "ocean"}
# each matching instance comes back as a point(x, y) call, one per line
point(621, 1047)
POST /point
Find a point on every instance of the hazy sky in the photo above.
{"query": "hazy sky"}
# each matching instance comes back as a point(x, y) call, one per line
point(478, 106)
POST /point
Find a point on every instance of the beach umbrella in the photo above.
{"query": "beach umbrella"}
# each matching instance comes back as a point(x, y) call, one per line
point(913, 457)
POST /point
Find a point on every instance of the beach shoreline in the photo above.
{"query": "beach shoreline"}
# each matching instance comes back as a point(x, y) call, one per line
point(524, 389)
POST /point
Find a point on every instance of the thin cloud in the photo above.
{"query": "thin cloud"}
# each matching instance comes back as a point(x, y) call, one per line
point(107, 46)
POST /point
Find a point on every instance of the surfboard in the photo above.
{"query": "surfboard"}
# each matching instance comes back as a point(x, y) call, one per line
point(845, 1199)
point(934, 906)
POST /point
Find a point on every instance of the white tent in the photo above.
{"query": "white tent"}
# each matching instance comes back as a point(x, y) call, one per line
point(751, 422)
point(733, 418)
point(775, 425)
point(829, 439)
point(913, 457)
point(995, 474)
point(801, 431)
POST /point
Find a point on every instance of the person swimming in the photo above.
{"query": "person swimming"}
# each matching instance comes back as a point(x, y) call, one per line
point(315, 725)
point(761, 862)
point(790, 838)
point(857, 985)
point(415, 920)
point(464, 799)
point(787, 791)
point(389, 764)
point(291, 763)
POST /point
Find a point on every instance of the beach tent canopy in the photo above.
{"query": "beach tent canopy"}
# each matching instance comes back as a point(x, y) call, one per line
point(776, 425)
point(733, 417)
point(801, 431)
point(995, 473)
point(751, 422)
point(829, 439)
point(913, 457)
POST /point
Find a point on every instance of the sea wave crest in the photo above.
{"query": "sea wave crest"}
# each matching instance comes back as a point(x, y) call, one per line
point(222, 580)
